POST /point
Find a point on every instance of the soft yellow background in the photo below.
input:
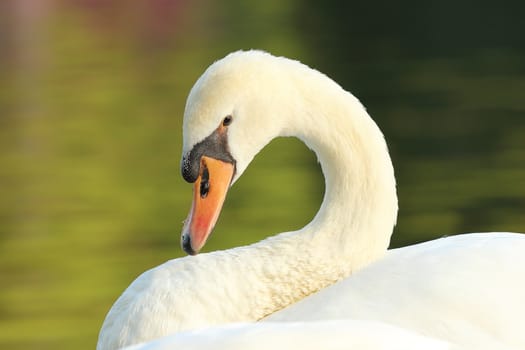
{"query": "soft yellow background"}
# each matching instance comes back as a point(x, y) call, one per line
point(92, 94)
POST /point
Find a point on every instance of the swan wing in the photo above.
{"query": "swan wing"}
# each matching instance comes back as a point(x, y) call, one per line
point(466, 289)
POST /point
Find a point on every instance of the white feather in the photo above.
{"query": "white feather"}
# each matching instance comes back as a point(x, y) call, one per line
point(328, 335)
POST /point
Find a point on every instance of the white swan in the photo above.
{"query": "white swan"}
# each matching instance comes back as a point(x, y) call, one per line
point(454, 289)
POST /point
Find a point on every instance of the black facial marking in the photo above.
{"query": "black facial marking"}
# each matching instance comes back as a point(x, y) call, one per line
point(214, 146)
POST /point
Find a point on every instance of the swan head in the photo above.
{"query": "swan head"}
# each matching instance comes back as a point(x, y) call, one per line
point(234, 109)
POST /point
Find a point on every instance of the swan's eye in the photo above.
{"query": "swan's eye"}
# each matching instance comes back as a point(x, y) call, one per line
point(205, 183)
point(227, 120)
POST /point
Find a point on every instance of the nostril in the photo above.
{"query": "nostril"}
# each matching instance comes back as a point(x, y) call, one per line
point(205, 182)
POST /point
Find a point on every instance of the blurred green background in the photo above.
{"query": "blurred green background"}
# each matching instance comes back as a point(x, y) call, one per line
point(91, 102)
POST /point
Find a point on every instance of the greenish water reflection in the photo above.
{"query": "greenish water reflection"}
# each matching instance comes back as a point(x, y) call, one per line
point(90, 137)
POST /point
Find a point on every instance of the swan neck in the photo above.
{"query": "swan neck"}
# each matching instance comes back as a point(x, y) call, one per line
point(359, 207)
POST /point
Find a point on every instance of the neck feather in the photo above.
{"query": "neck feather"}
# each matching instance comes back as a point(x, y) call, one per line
point(359, 209)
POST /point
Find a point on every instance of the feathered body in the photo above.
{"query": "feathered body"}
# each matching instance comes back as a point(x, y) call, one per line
point(426, 287)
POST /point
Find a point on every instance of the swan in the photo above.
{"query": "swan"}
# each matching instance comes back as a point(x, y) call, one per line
point(464, 289)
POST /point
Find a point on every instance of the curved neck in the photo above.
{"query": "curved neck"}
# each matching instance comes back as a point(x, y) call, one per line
point(359, 209)
point(351, 229)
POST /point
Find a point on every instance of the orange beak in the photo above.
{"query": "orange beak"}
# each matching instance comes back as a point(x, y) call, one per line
point(209, 192)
